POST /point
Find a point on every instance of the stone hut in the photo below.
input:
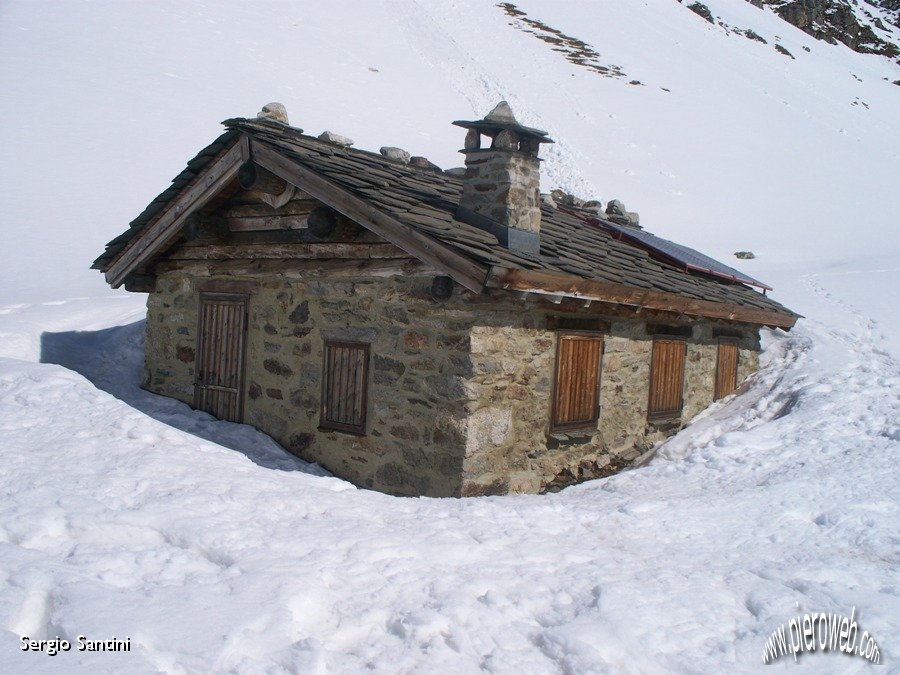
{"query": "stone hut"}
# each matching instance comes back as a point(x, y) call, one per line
point(422, 332)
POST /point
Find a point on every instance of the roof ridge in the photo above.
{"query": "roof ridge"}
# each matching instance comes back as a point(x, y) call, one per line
point(253, 124)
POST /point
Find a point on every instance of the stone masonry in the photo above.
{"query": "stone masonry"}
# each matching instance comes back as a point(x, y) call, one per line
point(503, 185)
point(459, 389)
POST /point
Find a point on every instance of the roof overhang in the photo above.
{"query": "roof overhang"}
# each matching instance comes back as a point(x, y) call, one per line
point(166, 226)
point(569, 286)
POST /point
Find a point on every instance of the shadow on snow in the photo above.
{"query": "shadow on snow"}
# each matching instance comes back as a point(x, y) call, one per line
point(112, 359)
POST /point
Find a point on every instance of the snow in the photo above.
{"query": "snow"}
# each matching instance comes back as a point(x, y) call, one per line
point(118, 520)
point(125, 513)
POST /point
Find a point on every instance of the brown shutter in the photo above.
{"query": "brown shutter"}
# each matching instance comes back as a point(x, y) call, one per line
point(666, 378)
point(344, 386)
point(576, 390)
point(221, 343)
point(726, 369)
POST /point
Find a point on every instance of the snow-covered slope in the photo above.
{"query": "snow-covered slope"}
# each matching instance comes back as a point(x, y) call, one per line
point(725, 145)
point(127, 514)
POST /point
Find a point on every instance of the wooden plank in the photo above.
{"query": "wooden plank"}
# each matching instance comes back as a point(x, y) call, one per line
point(463, 270)
point(576, 390)
point(308, 267)
point(267, 223)
point(295, 207)
point(220, 355)
point(157, 234)
point(666, 378)
point(726, 368)
point(553, 283)
point(228, 286)
point(327, 250)
point(140, 283)
point(344, 384)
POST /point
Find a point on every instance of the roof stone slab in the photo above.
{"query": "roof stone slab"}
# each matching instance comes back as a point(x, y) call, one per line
point(426, 201)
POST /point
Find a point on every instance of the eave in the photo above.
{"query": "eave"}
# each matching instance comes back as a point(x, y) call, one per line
point(166, 226)
point(570, 286)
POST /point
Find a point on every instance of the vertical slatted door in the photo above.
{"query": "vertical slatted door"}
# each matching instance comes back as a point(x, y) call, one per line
point(344, 386)
point(726, 369)
point(666, 378)
point(576, 393)
point(222, 338)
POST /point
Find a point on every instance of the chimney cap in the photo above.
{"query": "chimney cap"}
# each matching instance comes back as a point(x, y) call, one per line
point(499, 119)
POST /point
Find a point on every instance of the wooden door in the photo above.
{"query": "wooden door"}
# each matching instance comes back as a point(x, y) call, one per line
point(726, 369)
point(221, 342)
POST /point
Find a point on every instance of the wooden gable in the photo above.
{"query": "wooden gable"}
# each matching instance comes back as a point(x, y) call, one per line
point(218, 181)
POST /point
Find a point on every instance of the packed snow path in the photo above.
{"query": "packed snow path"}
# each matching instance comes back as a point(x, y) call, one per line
point(115, 523)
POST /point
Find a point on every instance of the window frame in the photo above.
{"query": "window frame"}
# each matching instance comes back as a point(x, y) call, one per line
point(578, 425)
point(326, 424)
point(673, 414)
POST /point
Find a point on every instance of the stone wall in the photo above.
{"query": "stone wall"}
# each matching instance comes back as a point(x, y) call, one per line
point(509, 447)
point(459, 391)
point(416, 413)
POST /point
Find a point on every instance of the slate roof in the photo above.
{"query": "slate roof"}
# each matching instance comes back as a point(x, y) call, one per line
point(427, 200)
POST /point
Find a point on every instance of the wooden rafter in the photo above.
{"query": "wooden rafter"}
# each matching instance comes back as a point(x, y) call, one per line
point(302, 251)
point(457, 266)
point(166, 225)
point(564, 285)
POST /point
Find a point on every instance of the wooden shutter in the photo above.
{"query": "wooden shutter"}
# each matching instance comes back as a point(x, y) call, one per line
point(666, 378)
point(576, 390)
point(221, 343)
point(726, 368)
point(344, 386)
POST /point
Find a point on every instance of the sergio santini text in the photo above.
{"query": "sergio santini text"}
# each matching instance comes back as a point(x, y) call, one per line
point(82, 644)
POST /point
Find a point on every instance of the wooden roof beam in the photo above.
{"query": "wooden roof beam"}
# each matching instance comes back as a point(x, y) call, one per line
point(556, 284)
point(444, 259)
point(166, 225)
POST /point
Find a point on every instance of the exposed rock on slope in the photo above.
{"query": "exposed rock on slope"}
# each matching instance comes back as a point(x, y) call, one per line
point(838, 21)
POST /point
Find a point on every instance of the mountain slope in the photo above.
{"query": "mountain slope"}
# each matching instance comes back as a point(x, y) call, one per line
point(870, 27)
point(725, 145)
point(127, 514)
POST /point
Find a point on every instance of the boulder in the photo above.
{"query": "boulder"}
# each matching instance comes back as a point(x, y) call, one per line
point(615, 208)
point(501, 113)
point(395, 154)
point(276, 112)
point(337, 139)
point(423, 163)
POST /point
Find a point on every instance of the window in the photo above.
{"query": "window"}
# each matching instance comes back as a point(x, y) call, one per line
point(726, 368)
point(666, 378)
point(344, 385)
point(576, 389)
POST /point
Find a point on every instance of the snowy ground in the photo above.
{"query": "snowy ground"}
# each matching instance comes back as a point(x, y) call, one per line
point(127, 514)
point(122, 517)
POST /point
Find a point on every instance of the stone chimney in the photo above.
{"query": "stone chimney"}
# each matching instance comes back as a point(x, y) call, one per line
point(501, 185)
